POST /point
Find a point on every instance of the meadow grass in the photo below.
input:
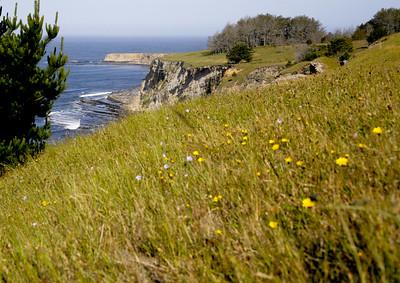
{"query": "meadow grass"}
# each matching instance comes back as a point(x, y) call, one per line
point(237, 187)
point(262, 57)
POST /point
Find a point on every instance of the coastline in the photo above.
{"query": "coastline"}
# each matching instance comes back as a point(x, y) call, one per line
point(129, 100)
point(133, 58)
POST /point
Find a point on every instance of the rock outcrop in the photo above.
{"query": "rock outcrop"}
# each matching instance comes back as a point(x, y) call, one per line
point(169, 82)
point(263, 76)
point(133, 58)
point(315, 68)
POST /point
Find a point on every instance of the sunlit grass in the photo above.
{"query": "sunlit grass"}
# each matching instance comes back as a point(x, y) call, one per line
point(262, 57)
point(217, 200)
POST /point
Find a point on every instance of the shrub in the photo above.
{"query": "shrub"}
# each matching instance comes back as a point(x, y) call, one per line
point(339, 46)
point(310, 53)
point(344, 57)
point(27, 91)
point(239, 52)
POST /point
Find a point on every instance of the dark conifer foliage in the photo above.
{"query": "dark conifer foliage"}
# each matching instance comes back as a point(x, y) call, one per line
point(27, 91)
point(385, 22)
point(239, 52)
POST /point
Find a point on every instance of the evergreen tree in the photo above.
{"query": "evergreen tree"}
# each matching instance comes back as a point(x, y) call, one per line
point(340, 46)
point(27, 91)
point(240, 52)
point(384, 22)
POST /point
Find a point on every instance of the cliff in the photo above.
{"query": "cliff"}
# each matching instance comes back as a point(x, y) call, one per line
point(169, 82)
point(133, 58)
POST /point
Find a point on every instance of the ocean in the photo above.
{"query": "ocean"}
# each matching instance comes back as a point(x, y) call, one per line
point(83, 107)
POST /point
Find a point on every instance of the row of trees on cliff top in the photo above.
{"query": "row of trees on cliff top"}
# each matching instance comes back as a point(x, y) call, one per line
point(267, 30)
point(385, 22)
point(27, 91)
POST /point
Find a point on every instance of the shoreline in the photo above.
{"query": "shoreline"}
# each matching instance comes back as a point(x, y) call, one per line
point(129, 100)
point(133, 58)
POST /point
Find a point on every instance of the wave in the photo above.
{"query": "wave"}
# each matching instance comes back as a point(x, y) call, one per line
point(95, 94)
point(65, 119)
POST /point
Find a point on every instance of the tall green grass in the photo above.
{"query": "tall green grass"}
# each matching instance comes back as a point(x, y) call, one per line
point(107, 208)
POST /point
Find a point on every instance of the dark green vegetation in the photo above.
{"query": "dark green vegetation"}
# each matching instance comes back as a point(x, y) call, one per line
point(295, 182)
point(266, 30)
point(26, 90)
point(385, 22)
point(239, 52)
point(341, 47)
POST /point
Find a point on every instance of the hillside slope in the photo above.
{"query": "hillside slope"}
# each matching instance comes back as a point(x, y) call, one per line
point(295, 182)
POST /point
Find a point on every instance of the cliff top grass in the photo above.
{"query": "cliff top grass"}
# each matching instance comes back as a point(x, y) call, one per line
point(295, 182)
point(262, 57)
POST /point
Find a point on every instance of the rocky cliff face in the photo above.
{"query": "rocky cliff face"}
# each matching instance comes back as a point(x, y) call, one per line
point(169, 82)
point(133, 58)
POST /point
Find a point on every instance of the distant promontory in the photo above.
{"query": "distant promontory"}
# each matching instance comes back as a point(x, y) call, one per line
point(133, 58)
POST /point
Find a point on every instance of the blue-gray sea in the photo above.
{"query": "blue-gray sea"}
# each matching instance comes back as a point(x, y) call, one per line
point(83, 107)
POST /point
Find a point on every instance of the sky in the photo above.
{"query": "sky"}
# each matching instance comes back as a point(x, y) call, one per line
point(154, 18)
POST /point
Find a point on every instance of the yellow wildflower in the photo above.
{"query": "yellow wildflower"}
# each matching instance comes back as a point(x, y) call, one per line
point(45, 203)
point(271, 141)
point(217, 198)
point(258, 174)
point(307, 203)
point(284, 140)
point(244, 142)
point(300, 163)
point(245, 132)
point(226, 125)
point(245, 138)
point(362, 146)
point(218, 232)
point(196, 153)
point(342, 161)
point(273, 224)
point(228, 142)
point(189, 135)
point(275, 147)
point(238, 161)
point(288, 160)
point(377, 131)
point(201, 159)
point(171, 175)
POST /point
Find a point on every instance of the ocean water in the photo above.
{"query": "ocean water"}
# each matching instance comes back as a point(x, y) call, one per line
point(83, 107)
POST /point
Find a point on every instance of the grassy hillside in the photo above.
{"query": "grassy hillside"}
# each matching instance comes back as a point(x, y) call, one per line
point(263, 56)
point(296, 182)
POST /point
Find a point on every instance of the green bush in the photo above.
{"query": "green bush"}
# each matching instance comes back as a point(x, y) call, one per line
point(340, 46)
point(27, 91)
point(311, 53)
point(239, 52)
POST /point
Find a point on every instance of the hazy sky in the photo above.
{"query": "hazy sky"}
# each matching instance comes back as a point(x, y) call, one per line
point(189, 17)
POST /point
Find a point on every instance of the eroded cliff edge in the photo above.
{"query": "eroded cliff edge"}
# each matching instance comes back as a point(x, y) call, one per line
point(170, 82)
